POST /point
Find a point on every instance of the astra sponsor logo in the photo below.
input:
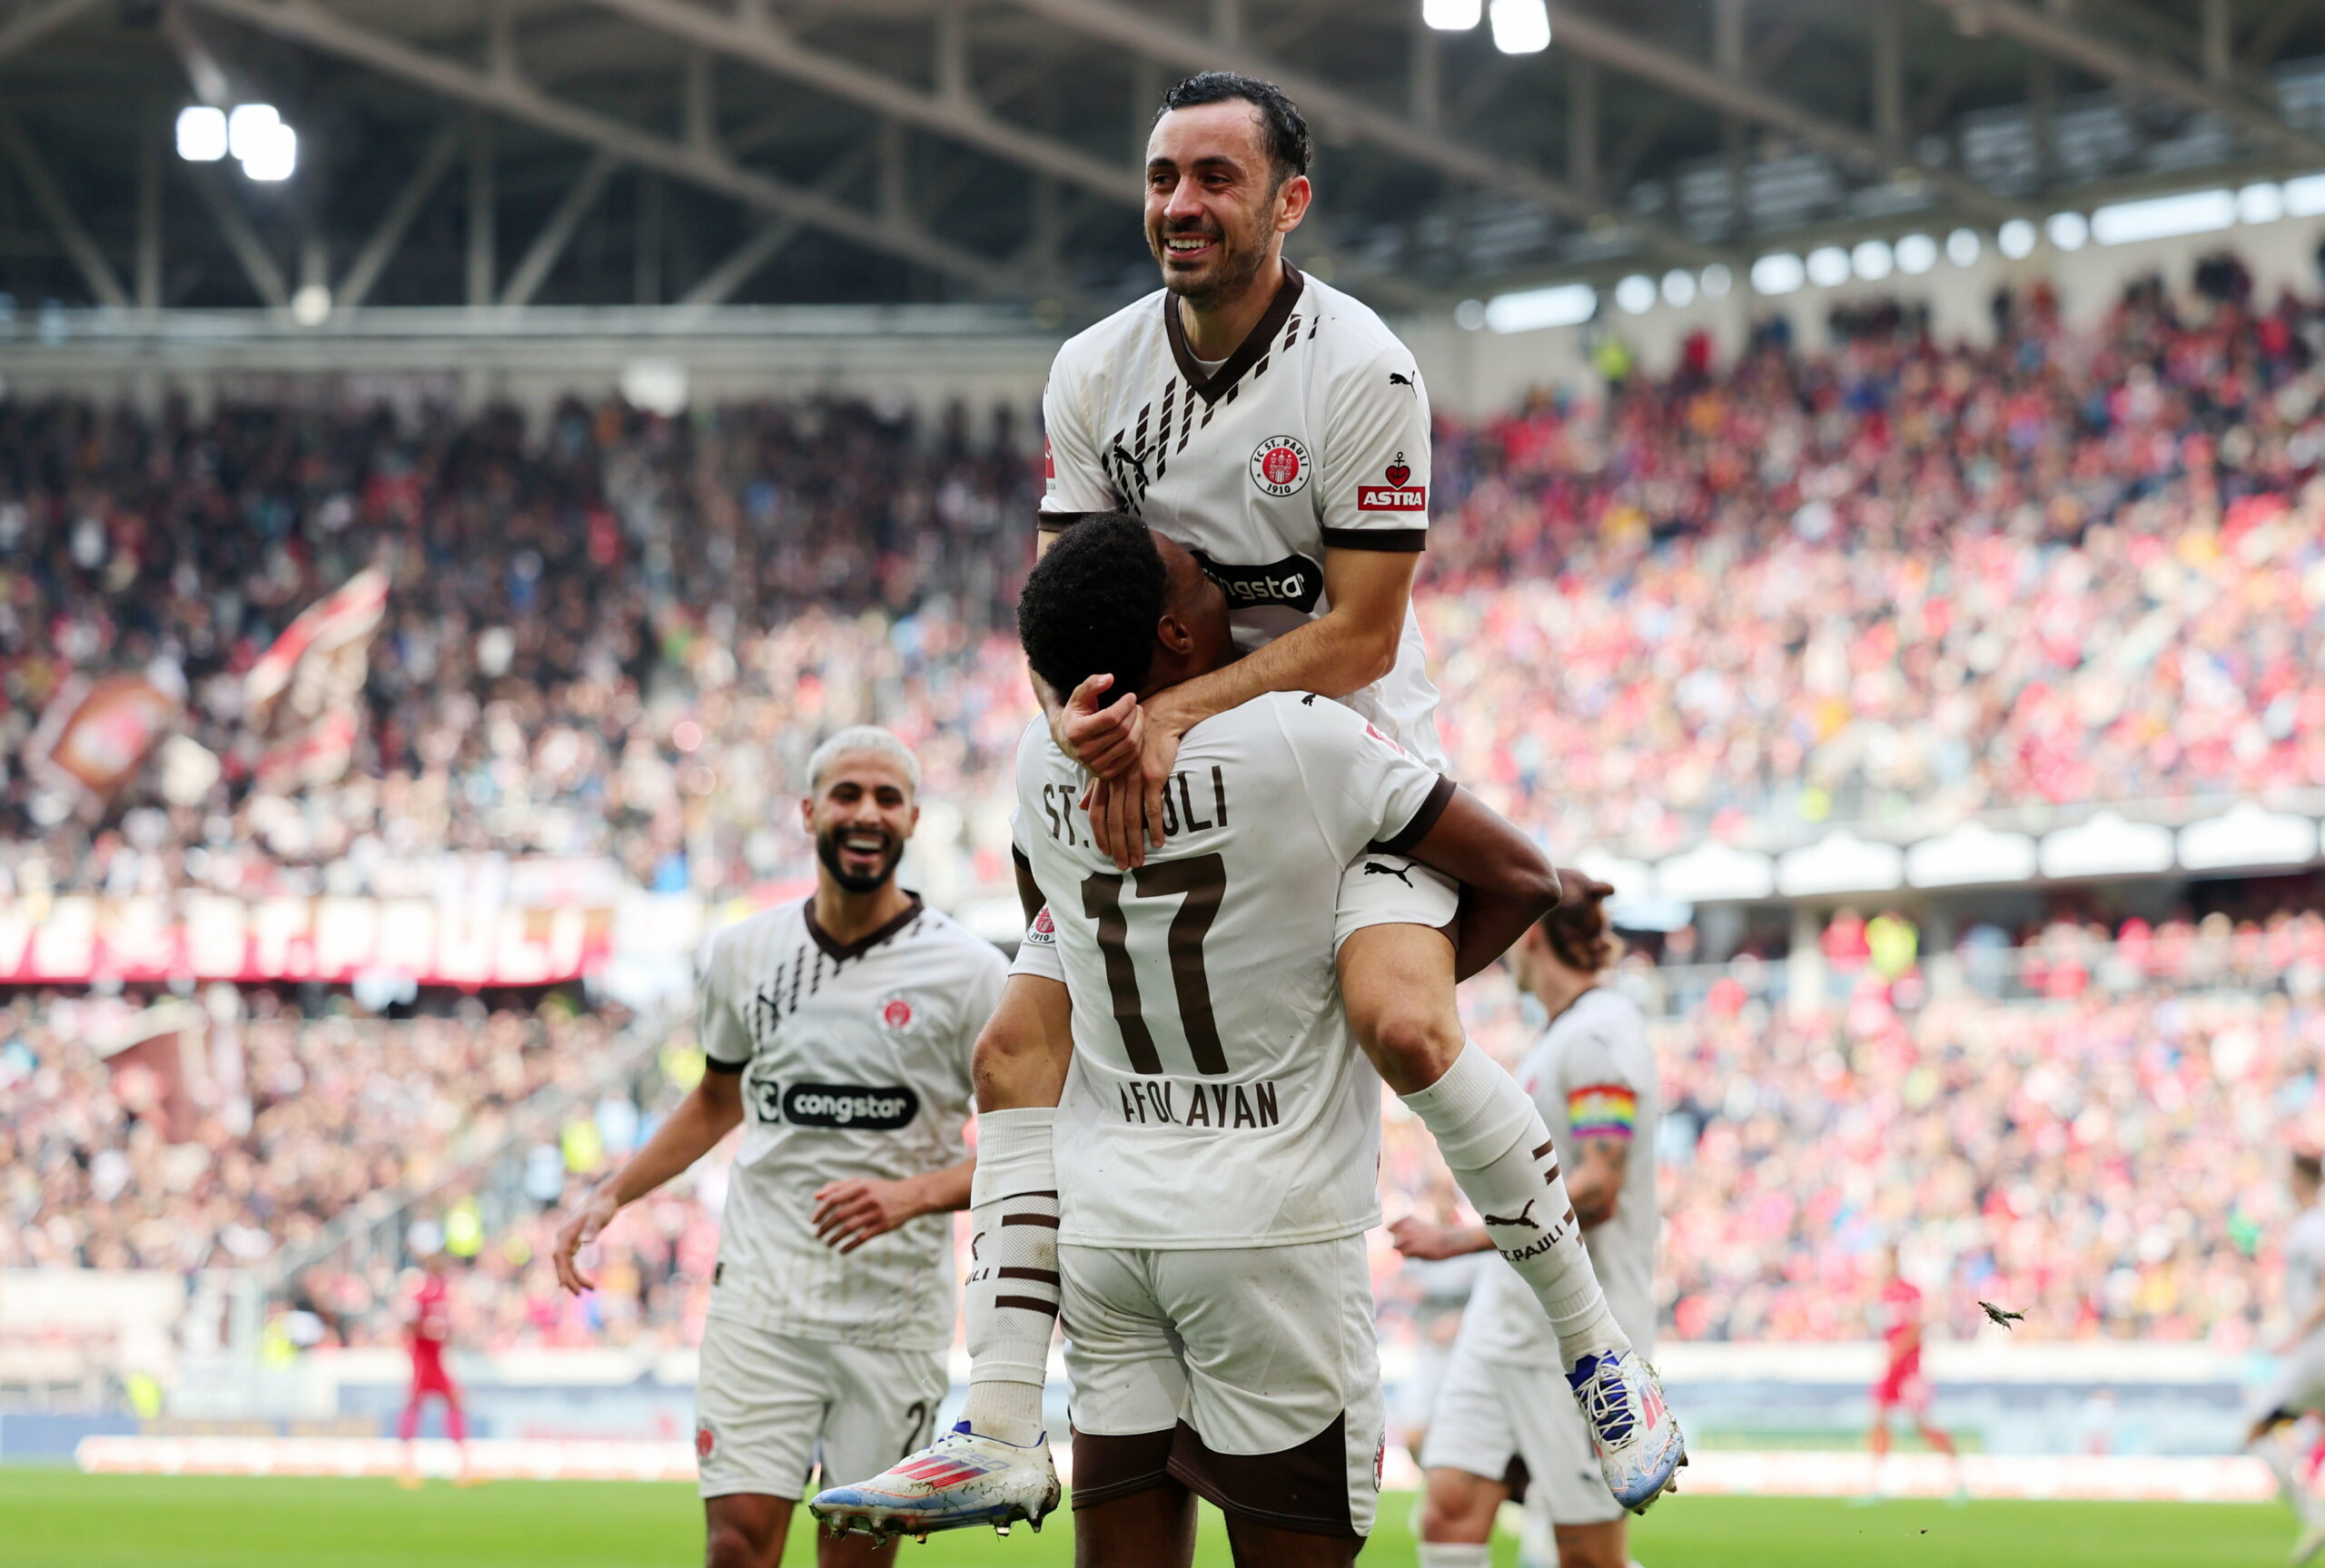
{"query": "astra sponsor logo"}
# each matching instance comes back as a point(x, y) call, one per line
point(846, 1105)
point(1294, 580)
point(1392, 498)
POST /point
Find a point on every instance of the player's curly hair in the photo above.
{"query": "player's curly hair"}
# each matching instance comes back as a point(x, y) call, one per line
point(1090, 605)
point(1284, 131)
point(1577, 929)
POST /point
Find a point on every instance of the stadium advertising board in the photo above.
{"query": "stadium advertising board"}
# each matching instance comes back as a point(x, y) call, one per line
point(76, 939)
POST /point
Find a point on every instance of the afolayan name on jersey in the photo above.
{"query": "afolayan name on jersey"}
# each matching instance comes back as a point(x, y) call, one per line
point(1147, 1101)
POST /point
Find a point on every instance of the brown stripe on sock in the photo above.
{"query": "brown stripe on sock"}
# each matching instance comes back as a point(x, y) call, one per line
point(1027, 1304)
point(1038, 1276)
point(1545, 1148)
point(1048, 1219)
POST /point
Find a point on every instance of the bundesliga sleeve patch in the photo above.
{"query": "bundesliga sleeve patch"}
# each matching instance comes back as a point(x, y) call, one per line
point(1602, 1110)
point(1396, 495)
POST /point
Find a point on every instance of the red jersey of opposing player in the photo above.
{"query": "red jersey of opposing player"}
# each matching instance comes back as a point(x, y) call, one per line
point(429, 1335)
point(1901, 1332)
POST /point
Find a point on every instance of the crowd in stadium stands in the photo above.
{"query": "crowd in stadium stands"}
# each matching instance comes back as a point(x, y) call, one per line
point(1899, 577)
point(1902, 578)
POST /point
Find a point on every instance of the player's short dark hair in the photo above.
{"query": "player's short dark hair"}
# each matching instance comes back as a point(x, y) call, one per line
point(2308, 1166)
point(1091, 604)
point(1284, 131)
point(1576, 928)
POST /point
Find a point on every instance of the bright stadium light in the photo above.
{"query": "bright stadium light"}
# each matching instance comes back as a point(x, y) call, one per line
point(202, 135)
point(1520, 26)
point(1916, 254)
point(1679, 287)
point(1829, 265)
point(1717, 280)
point(1778, 274)
point(1452, 16)
point(249, 126)
point(1962, 247)
point(2164, 217)
point(2305, 197)
point(1636, 294)
point(1873, 260)
point(1532, 310)
point(273, 157)
point(2068, 230)
point(2016, 240)
point(311, 306)
point(2261, 203)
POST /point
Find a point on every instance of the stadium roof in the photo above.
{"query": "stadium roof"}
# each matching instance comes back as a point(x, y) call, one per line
point(619, 151)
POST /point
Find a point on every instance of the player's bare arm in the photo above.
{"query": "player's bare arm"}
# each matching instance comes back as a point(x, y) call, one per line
point(1431, 1242)
point(1345, 650)
point(711, 1109)
point(1594, 1187)
point(1026, 1047)
point(1507, 883)
point(852, 1212)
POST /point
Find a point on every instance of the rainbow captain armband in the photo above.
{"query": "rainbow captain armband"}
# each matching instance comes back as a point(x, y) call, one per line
point(1602, 1110)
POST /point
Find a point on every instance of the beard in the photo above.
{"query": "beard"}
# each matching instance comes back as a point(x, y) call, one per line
point(1240, 259)
point(828, 852)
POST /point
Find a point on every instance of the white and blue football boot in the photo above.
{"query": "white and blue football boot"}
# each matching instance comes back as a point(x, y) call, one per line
point(961, 1479)
point(1639, 1446)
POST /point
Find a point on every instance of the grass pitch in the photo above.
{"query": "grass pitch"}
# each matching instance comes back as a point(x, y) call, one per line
point(61, 1519)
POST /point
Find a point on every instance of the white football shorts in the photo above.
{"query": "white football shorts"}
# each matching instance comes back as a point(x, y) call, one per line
point(1251, 1376)
point(770, 1406)
point(1518, 1426)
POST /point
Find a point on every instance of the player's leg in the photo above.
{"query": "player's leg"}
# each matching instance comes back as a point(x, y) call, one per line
point(744, 1530)
point(1457, 1515)
point(1258, 1545)
point(882, 1406)
point(1396, 975)
point(408, 1429)
point(1469, 1461)
point(760, 1399)
point(1587, 1524)
point(1128, 1510)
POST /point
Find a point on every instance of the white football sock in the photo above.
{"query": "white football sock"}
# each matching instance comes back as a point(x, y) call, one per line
point(1438, 1555)
point(1011, 1298)
point(1499, 1152)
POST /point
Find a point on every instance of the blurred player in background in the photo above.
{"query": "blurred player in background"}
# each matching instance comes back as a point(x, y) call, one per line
point(428, 1334)
point(2298, 1390)
point(1902, 1385)
point(838, 1033)
point(1498, 1427)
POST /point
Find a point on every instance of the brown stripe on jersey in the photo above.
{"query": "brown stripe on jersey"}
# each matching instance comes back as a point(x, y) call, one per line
point(1038, 1276)
point(1256, 372)
point(799, 966)
point(1312, 326)
point(1187, 419)
point(1048, 1222)
point(1144, 411)
point(1292, 331)
point(1400, 541)
point(1440, 795)
point(1545, 1148)
point(1211, 388)
point(1027, 1304)
point(1162, 431)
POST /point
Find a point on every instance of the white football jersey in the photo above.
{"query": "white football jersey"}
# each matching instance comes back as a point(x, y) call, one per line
point(1591, 1074)
point(855, 1063)
point(1313, 433)
point(2304, 1256)
point(1216, 1096)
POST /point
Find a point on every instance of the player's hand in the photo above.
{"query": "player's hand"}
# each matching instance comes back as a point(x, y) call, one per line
point(1126, 812)
point(1105, 738)
point(596, 1212)
point(1417, 1238)
point(850, 1213)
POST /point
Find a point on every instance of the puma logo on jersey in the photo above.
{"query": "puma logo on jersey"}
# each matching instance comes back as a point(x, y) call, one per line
point(1398, 380)
point(1130, 465)
point(1308, 701)
point(1402, 874)
point(1524, 1217)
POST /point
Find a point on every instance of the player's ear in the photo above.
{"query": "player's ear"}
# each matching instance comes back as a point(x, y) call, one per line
point(912, 821)
point(808, 813)
point(1291, 199)
point(1174, 636)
